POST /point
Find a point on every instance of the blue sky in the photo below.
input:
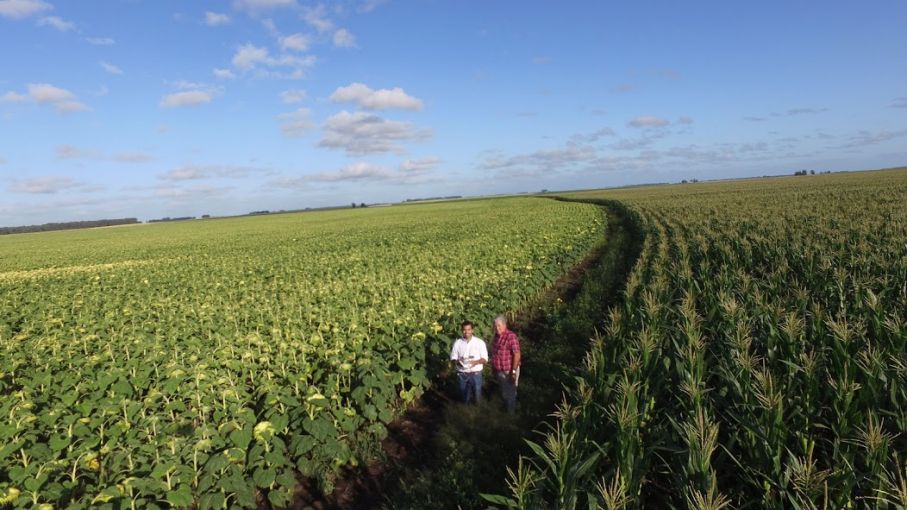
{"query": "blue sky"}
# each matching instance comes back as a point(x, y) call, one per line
point(120, 108)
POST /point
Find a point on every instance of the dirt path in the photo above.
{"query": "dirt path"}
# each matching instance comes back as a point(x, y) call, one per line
point(441, 454)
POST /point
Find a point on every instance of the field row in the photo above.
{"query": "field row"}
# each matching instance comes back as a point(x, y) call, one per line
point(758, 358)
point(209, 362)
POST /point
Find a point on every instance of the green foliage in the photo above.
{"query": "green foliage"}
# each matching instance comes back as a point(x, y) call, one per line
point(758, 358)
point(207, 363)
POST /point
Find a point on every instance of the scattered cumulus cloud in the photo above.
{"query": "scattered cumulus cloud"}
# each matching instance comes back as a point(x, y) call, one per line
point(190, 193)
point(62, 100)
point(382, 99)
point(57, 23)
point(363, 133)
point(73, 152)
point(343, 38)
point(360, 171)
point(100, 41)
point(197, 172)
point(216, 19)
point(223, 74)
point(18, 9)
point(44, 185)
point(249, 57)
point(899, 102)
point(789, 113)
point(186, 98)
point(648, 121)
point(537, 162)
point(419, 165)
point(593, 136)
point(295, 42)
point(110, 68)
point(316, 18)
point(864, 138)
point(296, 124)
point(13, 97)
point(369, 6)
point(292, 96)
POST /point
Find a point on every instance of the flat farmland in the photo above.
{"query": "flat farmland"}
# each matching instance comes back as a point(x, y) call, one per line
point(208, 362)
point(757, 358)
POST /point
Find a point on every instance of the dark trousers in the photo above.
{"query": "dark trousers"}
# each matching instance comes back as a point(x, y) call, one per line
point(470, 386)
point(508, 390)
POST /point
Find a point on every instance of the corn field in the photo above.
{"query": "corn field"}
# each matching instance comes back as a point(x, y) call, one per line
point(757, 358)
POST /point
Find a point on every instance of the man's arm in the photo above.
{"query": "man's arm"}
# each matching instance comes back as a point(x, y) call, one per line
point(517, 358)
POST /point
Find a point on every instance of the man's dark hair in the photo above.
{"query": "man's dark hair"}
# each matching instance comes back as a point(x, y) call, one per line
point(467, 323)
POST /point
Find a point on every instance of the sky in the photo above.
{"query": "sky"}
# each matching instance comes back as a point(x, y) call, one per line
point(153, 108)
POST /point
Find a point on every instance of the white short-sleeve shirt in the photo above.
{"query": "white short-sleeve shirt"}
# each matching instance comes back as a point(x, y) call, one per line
point(474, 349)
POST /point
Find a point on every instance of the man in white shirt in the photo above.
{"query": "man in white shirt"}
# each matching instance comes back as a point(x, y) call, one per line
point(469, 355)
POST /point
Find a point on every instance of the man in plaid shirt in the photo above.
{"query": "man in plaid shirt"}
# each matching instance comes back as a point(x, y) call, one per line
point(505, 359)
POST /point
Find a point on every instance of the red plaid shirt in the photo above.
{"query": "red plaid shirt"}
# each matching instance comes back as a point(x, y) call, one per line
point(505, 345)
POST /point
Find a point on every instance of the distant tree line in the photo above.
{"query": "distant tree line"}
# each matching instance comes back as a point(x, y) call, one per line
point(68, 225)
point(168, 218)
point(811, 172)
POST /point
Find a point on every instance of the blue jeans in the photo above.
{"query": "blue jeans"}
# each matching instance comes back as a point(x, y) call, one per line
point(470, 386)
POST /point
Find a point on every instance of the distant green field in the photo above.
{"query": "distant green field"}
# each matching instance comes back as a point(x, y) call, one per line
point(758, 358)
point(206, 361)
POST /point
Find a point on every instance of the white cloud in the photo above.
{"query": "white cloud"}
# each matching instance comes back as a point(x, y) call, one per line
point(343, 38)
point(593, 136)
point(362, 133)
point(249, 57)
point(57, 23)
point(413, 166)
point(17, 9)
point(43, 93)
point(223, 74)
point(649, 121)
point(292, 96)
point(44, 185)
point(2, 161)
point(110, 68)
point(13, 97)
point(186, 98)
point(100, 41)
point(295, 42)
point(71, 107)
point(297, 123)
point(685, 120)
point(359, 171)
point(255, 6)
point(215, 19)
point(73, 152)
point(383, 99)
point(196, 172)
point(315, 16)
point(46, 93)
point(369, 5)
point(192, 193)
point(549, 160)
point(899, 102)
